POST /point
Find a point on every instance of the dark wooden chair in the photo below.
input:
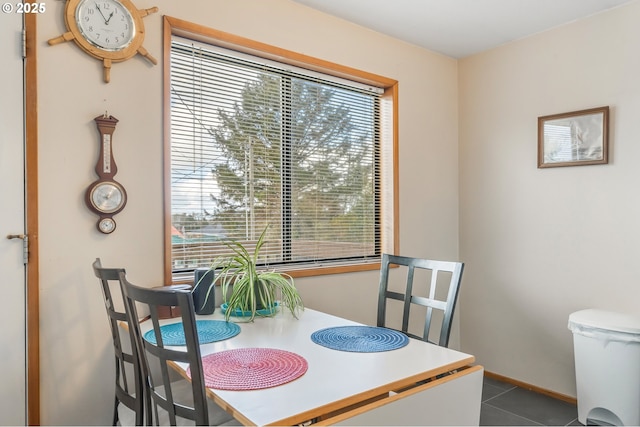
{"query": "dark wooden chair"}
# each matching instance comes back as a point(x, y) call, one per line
point(174, 400)
point(437, 274)
point(129, 388)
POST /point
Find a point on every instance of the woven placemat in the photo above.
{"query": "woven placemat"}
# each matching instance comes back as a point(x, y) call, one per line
point(251, 368)
point(361, 339)
point(208, 331)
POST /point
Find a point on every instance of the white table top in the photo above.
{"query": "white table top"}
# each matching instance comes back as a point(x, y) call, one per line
point(334, 378)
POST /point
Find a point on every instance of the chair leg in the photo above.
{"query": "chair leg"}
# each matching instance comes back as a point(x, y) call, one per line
point(145, 409)
point(115, 411)
point(148, 413)
point(139, 414)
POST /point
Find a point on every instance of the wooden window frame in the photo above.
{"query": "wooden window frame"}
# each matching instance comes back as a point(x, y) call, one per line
point(174, 26)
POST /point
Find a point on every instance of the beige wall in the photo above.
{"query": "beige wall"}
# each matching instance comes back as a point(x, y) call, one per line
point(77, 371)
point(542, 243)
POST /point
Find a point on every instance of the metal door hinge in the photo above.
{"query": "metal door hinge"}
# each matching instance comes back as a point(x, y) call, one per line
point(24, 43)
point(25, 245)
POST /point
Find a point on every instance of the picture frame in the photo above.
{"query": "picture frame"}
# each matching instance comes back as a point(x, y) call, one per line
point(574, 139)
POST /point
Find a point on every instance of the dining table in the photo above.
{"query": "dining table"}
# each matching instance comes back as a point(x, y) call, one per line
point(310, 369)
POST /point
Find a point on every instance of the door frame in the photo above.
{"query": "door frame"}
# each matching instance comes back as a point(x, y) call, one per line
point(31, 165)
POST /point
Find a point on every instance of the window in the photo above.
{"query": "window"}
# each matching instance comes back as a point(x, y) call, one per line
point(255, 143)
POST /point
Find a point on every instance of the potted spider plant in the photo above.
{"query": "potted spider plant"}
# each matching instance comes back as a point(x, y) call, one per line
point(248, 291)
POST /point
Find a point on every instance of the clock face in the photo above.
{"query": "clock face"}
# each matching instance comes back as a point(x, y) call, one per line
point(107, 197)
point(106, 24)
point(107, 225)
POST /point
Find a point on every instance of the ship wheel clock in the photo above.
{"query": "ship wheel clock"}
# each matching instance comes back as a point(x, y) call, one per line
point(106, 197)
point(108, 30)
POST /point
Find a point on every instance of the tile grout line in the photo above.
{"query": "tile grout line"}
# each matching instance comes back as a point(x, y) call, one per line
point(499, 394)
point(515, 415)
point(488, 402)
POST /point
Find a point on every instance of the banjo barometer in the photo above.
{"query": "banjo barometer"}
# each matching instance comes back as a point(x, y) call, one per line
point(106, 197)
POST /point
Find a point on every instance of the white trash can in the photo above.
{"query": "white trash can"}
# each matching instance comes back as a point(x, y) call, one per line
point(607, 358)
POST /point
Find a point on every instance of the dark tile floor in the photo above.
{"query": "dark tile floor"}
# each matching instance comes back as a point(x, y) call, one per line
point(504, 404)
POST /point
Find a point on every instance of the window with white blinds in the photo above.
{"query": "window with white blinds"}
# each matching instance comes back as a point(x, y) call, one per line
point(255, 144)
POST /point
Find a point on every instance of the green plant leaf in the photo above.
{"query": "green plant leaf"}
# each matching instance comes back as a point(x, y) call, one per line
point(245, 288)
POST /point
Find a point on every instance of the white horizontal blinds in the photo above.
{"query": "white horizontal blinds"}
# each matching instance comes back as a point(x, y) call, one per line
point(385, 197)
point(255, 145)
point(333, 140)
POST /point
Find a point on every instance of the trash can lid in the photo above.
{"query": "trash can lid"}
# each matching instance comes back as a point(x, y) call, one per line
point(607, 320)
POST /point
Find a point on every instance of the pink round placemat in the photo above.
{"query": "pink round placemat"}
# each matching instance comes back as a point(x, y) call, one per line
point(251, 368)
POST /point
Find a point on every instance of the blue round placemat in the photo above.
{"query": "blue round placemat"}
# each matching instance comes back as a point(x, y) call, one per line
point(208, 331)
point(362, 339)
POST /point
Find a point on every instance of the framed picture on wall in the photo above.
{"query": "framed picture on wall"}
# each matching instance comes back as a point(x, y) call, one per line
point(573, 139)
